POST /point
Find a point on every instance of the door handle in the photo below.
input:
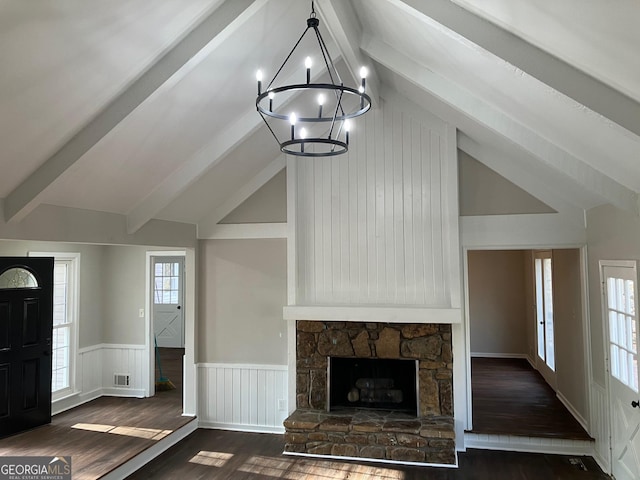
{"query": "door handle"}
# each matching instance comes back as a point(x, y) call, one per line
point(45, 353)
point(179, 307)
point(635, 404)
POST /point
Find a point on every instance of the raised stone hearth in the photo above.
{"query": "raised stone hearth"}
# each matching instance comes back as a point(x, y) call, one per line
point(385, 435)
point(372, 434)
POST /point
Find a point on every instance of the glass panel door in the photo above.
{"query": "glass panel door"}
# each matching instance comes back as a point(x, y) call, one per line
point(544, 315)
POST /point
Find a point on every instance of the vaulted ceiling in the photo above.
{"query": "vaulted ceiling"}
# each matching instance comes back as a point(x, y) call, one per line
point(146, 109)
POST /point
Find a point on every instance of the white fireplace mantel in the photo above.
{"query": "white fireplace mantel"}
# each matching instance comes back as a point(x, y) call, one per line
point(369, 313)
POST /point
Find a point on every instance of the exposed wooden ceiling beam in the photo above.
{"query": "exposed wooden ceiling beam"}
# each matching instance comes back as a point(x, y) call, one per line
point(565, 78)
point(341, 22)
point(217, 25)
point(469, 111)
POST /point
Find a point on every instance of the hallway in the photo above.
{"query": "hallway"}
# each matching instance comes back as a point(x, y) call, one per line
point(510, 397)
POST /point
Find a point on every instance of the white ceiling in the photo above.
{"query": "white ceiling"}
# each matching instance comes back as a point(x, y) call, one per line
point(146, 109)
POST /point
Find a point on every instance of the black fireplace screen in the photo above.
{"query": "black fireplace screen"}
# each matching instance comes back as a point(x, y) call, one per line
point(387, 384)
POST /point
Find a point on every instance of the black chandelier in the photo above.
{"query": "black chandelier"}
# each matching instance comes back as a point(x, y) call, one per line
point(312, 119)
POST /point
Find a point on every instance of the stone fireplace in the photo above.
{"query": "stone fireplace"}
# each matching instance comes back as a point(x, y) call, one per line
point(375, 421)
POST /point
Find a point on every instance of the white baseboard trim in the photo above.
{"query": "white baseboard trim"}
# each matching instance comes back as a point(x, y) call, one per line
point(516, 443)
point(498, 355)
point(80, 398)
point(123, 392)
point(102, 346)
point(581, 420)
point(603, 463)
point(74, 400)
point(240, 427)
point(139, 461)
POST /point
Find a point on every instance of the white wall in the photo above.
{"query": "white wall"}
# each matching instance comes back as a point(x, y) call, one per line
point(242, 289)
point(497, 308)
point(124, 276)
point(485, 192)
point(267, 205)
point(568, 330)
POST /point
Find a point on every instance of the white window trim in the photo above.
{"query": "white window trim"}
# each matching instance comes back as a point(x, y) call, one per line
point(74, 307)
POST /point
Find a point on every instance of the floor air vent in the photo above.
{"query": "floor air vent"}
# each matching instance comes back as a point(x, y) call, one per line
point(122, 380)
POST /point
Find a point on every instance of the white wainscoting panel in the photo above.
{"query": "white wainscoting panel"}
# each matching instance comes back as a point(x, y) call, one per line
point(89, 370)
point(375, 226)
point(600, 426)
point(94, 374)
point(123, 359)
point(242, 397)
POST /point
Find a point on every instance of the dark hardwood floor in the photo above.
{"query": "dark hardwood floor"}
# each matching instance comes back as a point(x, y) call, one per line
point(113, 430)
point(510, 397)
point(224, 455)
point(106, 432)
point(171, 362)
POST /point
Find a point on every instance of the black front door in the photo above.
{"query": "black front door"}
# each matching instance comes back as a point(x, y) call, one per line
point(26, 323)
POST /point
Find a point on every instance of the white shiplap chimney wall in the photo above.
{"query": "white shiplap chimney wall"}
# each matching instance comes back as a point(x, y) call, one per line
point(379, 226)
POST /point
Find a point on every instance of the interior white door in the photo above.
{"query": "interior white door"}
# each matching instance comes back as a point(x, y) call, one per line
point(168, 311)
point(621, 306)
point(545, 361)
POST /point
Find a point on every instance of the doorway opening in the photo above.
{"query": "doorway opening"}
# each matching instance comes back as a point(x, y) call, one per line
point(512, 393)
point(169, 325)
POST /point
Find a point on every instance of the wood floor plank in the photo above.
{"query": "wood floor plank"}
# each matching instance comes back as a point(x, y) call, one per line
point(96, 453)
point(224, 455)
point(510, 397)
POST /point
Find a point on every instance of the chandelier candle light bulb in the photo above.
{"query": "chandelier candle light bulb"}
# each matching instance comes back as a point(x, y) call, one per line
point(293, 118)
point(259, 79)
point(347, 128)
point(307, 65)
point(321, 99)
point(303, 135)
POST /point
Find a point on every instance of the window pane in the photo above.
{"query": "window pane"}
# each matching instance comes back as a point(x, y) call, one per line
point(60, 360)
point(623, 365)
point(631, 300)
point(539, 307)
point(613, 327)
point(62, 354)
point(622, 331)
point(18, 278)
point(615, 368)
point(611, 293)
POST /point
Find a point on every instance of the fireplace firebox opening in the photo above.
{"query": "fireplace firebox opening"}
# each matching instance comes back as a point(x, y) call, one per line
point(372, 383)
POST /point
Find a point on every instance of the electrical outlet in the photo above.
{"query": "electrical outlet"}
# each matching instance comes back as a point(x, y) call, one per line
point(141, 313)
point(282, 404)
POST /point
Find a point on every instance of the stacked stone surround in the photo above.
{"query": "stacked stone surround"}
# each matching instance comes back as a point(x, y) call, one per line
point(429, 437)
